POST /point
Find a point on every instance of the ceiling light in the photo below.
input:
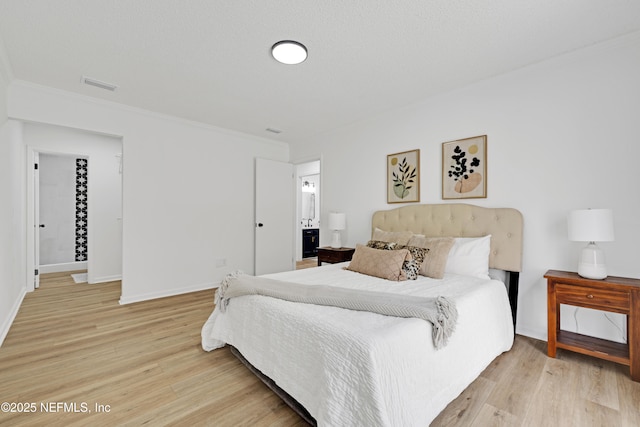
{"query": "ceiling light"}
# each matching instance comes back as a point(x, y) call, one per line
point(289, 52)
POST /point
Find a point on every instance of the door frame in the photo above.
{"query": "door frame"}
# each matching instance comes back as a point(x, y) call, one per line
point(35, 173)
point(298, 200)
point(33, 230)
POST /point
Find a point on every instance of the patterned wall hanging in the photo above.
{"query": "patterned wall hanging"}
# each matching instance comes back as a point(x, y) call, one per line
point(464, 168)
point(81, 209)
point(403, 177)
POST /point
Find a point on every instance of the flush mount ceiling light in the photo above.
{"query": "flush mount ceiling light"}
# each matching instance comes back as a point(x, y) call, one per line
point(289, 52)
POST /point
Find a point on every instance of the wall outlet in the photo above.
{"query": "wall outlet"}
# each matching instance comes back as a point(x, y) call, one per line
point(221, 262)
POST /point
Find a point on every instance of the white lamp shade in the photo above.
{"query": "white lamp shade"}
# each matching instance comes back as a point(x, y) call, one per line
point(591, 225)
point(337, 221)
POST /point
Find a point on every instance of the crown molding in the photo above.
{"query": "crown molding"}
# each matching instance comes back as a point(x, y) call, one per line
point(142, 111)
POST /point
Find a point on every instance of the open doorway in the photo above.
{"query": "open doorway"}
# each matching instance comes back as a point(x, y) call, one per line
point(101, 206)
point(308, 197)
point(62, 213)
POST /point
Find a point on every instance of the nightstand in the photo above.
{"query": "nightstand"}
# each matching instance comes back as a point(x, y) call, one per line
point(613, 294)
point(334, 255)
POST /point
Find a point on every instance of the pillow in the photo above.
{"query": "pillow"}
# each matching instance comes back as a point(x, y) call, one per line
point(412, 267)
point(378, 244)
point(379, 263)
point(399, 237)
point(470, 256)
point(436, 257)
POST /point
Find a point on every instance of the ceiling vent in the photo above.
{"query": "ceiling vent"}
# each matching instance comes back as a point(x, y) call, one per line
point(97, 83)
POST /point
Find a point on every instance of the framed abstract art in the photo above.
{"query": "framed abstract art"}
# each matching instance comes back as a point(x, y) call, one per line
point(464, 168)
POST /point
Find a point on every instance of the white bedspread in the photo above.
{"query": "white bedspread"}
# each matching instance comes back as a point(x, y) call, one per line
point(365, 369)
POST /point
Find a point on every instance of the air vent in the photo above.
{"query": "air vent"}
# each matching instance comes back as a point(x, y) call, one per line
point(97, 83)
point(274, 130)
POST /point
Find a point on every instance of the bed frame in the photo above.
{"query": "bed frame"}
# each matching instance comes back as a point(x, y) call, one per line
point(505, 225)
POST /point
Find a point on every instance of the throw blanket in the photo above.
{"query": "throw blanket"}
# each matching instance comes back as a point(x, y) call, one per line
point(440, 312)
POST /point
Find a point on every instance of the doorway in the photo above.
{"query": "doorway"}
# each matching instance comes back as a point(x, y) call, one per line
point(102, 207)
point(62, 212)
point(308, 199)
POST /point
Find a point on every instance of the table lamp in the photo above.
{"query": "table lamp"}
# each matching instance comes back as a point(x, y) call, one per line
point(337, 222)
point(591, 225)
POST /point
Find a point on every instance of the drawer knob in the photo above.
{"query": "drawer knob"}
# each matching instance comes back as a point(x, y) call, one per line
point(590, 296)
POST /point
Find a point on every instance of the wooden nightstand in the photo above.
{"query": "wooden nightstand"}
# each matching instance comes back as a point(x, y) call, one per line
point(334, 255)
point(613, 294)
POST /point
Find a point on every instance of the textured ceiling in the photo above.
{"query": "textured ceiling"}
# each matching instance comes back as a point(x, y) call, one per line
point(209, 61)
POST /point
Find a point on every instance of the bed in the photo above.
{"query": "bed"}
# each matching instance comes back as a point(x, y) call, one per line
point(358, 368)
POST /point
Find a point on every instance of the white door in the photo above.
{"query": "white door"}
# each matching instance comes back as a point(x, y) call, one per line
point(274, 220)
point(36, 219)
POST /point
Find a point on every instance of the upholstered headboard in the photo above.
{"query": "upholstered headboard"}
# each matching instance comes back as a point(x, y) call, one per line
point(462, 220)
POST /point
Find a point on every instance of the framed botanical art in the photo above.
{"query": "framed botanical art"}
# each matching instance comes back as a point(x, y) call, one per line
point(403, 177)
point(464, 168)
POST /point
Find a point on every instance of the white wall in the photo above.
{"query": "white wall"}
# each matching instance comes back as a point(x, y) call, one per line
point(12, 224)
point(563, 134)
point(188, 196)
point(104, 191)
point(12, 251)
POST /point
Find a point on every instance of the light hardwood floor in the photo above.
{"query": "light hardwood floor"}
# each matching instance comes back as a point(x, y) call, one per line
point(307, 263)
point(73, 343)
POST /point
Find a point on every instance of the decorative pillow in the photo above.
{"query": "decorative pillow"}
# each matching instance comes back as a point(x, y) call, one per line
point(400, 237)
point(412, 268)
point(436, 257)
point(470, 256)
point(379, 263)
point(378, 244)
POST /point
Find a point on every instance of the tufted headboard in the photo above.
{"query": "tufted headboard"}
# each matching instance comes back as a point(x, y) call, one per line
point(462, 220)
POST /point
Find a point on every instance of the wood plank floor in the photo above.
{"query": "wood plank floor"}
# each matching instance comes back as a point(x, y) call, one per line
point(307, 263)
point(142, 364)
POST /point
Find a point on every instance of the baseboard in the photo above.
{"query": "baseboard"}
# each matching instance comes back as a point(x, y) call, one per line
point(105, 279)
point(528, 332)
point(62, 267)
point(6, 325)
point(166, 293)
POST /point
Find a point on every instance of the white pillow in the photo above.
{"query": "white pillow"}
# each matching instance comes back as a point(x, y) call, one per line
point(470, 256)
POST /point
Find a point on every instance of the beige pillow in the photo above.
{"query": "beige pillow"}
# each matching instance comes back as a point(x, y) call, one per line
point(411, 267)
point(435, 260)
point(399, 237)
point(379, 262)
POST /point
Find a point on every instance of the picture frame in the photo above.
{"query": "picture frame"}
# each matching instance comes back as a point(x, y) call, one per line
point(464, 168)
point(403, 177)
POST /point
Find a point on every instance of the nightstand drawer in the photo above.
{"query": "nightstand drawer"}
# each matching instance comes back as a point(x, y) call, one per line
point(333, 257)
point(593, 298)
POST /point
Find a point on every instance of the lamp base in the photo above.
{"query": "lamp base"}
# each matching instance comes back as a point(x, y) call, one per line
point(591, 265)
point(336, 241)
